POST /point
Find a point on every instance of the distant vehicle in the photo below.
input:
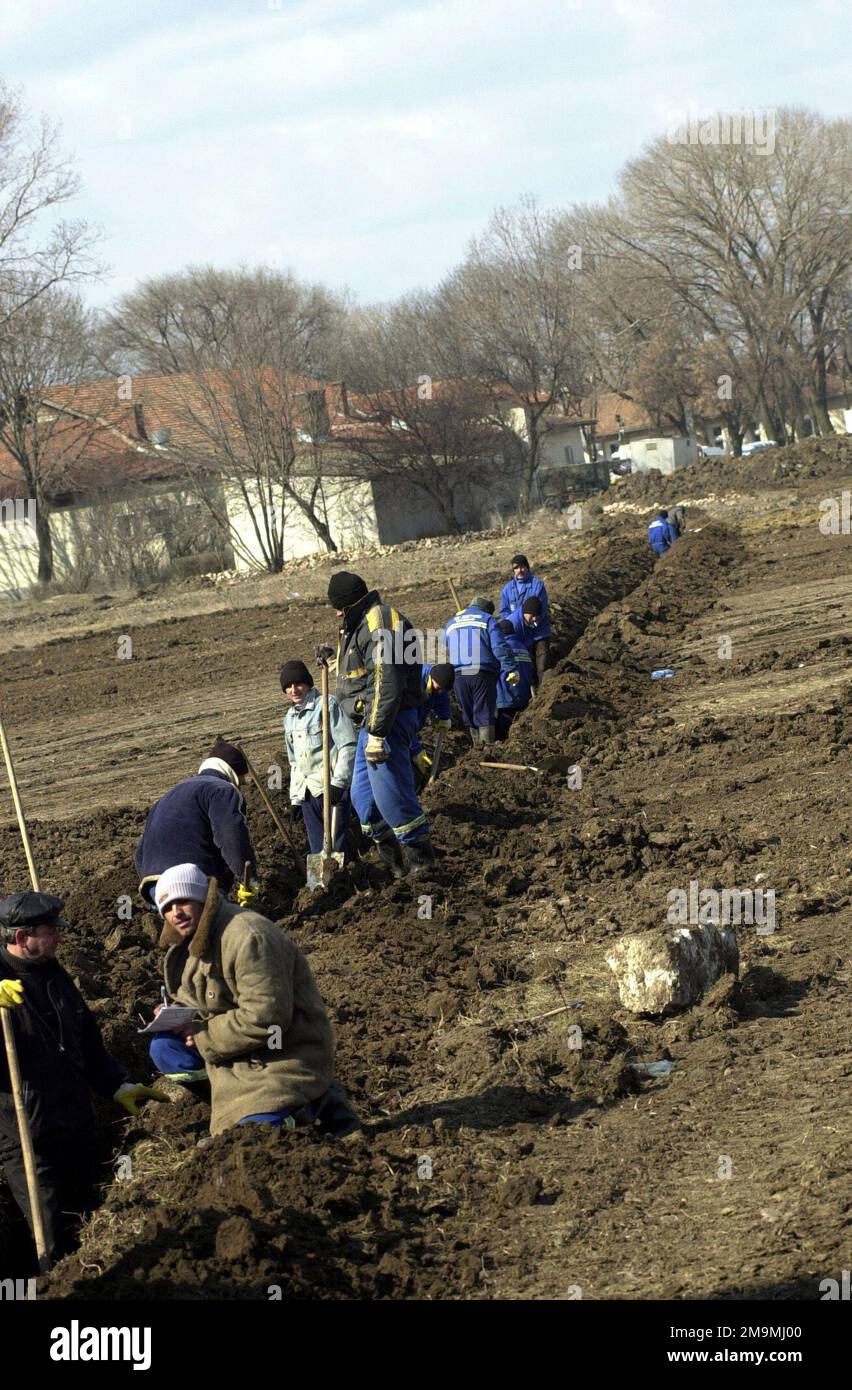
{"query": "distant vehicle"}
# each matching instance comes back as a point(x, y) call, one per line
point(758, 444)
point(710, 451)
point(620, 465)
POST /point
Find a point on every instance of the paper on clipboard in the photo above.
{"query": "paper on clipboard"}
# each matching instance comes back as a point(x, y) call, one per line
point(168, 1019)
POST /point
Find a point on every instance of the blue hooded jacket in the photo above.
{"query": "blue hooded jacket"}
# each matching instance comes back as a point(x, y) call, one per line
point(200, 821)
point(512, 597)
point(475, 643)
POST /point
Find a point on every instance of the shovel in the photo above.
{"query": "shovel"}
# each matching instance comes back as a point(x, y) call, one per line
point(436, 759)
point(322, 867)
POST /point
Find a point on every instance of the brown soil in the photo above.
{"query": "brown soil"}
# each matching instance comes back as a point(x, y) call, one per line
point(500, 1158)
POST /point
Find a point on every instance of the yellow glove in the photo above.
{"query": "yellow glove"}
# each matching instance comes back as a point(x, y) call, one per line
point(246, 896)
point(376, 750)
point(513, 678)
point(423, 763)
point(445, 724)
point(130, 1093)
point(11, 993)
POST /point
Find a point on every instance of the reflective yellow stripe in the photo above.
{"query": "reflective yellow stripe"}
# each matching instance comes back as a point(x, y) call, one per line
point(353, 675)
point(374, 618)
point(200, 1075)
point(411, 825)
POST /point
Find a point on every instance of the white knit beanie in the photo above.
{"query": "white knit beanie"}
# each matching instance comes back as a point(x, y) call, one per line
point(183, 881)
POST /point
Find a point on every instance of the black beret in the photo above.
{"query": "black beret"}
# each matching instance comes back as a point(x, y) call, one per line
point(24, 910)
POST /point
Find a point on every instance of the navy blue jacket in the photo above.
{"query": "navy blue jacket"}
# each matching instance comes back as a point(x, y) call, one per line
point(200, 821)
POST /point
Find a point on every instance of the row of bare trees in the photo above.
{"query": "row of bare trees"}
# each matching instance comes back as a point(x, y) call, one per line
point(715, 285)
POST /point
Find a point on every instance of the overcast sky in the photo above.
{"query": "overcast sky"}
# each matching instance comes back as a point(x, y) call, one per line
point(363, 142)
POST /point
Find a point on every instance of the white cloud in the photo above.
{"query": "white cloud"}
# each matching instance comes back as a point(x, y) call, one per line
point(370, 140)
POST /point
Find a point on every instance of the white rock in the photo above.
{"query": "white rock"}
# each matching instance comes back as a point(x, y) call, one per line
point(657, 972)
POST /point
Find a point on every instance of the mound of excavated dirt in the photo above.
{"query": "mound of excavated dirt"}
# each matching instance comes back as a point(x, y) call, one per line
point(792, 463)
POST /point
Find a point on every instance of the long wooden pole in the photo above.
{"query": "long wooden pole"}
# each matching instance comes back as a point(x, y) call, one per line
point(27, 1150)
point(455, 596)
point(282, 829)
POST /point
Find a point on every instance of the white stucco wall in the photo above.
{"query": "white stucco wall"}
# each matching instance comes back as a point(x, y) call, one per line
point(346, 506)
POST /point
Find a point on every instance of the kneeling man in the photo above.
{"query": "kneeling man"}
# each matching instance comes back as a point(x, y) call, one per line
point(263, 1033)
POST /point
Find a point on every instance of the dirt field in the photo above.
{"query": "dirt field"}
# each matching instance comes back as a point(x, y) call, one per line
point(500, 1158)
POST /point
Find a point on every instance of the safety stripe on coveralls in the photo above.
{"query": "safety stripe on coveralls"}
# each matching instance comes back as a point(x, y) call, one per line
point(374, 618)
point(410, 825)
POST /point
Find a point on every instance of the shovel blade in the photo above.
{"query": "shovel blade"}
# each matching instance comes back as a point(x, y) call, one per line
point(322, 868)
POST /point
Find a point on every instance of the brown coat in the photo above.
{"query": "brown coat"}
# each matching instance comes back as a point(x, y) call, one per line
point(246, 977)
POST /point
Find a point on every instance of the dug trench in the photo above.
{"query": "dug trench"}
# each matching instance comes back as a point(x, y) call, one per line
point(507, 1154)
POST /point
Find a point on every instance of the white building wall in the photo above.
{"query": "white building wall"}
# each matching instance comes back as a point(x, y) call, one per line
point(663, 453)
point(346, 506)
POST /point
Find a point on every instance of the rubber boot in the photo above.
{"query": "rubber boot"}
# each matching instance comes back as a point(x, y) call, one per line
point(421, 854)
point(487, 733)
point(390, 853)
point(474, 735)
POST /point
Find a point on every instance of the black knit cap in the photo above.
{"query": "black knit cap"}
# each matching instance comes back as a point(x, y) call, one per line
point(344, 589)
point(520, 560)
point(232, 755)
point(532, 605)
point(295, 673)
point(486, 604)
point(506, 627)
point(443, 675)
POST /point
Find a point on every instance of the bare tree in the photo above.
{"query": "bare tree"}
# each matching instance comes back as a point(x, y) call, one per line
point(46, 422)
point(755, 245)
point(35, 178)
point(409, 426)
point(510, 313)
point(238, 350)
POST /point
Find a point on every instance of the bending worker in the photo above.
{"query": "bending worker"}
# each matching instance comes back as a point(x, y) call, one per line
point(262, 1030)
point(303, 745)
point(379, 686)
point(511, 699)
point(438, 681)
point(201, 821)
point(61, 1055)
point(661, 534)
point(478, 651)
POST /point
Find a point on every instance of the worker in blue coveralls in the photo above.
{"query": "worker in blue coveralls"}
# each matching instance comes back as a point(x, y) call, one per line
point(511, 699)
point(523, 585)
point(526, 624)
point(478, 651)
point(438, 681)
point(379, 686)
point(661, 534)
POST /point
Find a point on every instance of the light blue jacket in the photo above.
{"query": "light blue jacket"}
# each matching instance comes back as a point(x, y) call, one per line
point(303, 742)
